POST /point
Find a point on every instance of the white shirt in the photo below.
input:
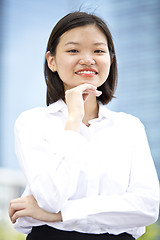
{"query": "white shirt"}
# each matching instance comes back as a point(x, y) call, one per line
point(102, 179)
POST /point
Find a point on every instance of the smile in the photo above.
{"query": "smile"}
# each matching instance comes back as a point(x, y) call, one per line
point(90, 72)
point(86, 72)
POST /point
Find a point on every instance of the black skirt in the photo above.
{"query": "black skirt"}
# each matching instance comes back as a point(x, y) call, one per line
point(46, 232)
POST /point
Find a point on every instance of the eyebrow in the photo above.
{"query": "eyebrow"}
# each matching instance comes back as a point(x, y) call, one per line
point(76, 43)
point(100, 43)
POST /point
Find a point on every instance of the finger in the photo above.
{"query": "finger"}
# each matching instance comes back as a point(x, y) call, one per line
point(22, 199)
point(15, 207)
point(11, 212)
point(83, 87)
point(18, 206)
point(87, 86)
point(16, 200)
point(97, 93)
point(87, 93)
point(91, 89)
point(18, 214)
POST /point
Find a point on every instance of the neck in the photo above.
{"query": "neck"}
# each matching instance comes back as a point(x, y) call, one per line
point(91, 109)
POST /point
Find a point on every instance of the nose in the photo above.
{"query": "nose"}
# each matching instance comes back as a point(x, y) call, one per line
point(87, 60)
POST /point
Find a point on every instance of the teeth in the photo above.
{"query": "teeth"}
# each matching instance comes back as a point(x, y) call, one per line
point(86, 72)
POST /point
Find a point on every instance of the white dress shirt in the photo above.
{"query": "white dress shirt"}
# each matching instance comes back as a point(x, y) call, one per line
point(102, 179)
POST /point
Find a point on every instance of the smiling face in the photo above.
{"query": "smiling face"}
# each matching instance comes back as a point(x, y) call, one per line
point(82, 56)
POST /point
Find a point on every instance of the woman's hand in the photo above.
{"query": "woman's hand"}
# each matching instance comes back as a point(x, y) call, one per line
point(28, 207)
point(75, 99)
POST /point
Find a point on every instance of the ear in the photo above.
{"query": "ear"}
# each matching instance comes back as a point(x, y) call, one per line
point(51, 61)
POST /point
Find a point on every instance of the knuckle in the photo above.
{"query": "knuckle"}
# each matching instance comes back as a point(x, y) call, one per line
point(16, 215)
point(11, 202)
point(11, 206)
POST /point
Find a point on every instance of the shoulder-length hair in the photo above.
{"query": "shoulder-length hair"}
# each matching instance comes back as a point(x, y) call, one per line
point(55, 88)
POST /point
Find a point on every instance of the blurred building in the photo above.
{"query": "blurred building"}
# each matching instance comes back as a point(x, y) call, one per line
point(24, 30)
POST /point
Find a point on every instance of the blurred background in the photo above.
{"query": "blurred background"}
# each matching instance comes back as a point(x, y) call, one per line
point(25, 26)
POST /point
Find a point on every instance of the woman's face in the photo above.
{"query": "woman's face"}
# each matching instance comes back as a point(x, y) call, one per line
point(82, 56)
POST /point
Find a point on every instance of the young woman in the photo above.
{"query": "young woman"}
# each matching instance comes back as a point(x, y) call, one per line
point(89, 170)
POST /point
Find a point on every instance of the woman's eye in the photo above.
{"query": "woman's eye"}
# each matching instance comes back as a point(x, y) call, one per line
point(99, 51)
point(73, 51)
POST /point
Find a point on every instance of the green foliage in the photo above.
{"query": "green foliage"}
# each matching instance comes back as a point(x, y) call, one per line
point(152, 232)
point(8, 233)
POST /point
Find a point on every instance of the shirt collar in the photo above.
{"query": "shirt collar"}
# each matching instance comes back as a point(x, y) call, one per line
point(104, 112)
point(60, 105)
point(56, 106)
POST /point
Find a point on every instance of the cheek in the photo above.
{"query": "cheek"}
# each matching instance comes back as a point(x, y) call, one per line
point(105, 67)
point(65, 69)
point(64, 65)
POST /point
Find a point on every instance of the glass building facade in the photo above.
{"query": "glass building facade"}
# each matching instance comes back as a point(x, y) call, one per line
point(24, 30)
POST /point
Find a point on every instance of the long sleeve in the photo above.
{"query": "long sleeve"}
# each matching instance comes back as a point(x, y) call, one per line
point(50, 159)
point(102, 179)
point(137, 207)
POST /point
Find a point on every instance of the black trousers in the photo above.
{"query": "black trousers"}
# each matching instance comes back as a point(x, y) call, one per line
point(48, 233)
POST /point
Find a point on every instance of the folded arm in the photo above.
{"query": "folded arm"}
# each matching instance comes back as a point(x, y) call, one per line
point(138, 206)
point(28, 207)
point(50, 161)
